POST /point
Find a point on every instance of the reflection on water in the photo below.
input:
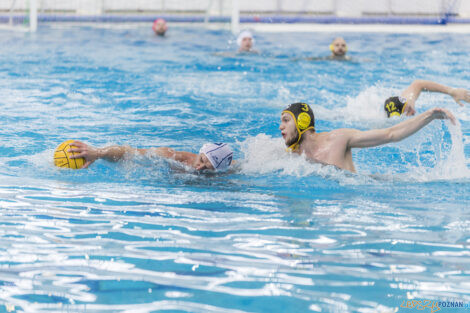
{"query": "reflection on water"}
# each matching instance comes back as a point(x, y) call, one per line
point(279, 232)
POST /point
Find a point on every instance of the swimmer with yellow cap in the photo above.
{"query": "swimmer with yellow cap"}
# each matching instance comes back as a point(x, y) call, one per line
point(338, 48)
point(405, 103)
point(335, 147)
point(395, 106)
point(304, 120)
point(212, 156)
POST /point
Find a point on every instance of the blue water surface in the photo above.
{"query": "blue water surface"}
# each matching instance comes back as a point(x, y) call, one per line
point(279, 234)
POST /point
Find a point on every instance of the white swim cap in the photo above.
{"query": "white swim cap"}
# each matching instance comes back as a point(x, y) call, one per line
point(244, 34)
point(219, 154)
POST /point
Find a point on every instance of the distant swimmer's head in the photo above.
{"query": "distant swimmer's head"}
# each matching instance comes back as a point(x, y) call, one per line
point(395, 106)
point(215, 156)
point(296, 119)
point(159, 27)
point(245, 41)
point(338, 47)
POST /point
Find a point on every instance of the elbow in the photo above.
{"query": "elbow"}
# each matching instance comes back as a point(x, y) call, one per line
point(418, 83)
point(391, 136)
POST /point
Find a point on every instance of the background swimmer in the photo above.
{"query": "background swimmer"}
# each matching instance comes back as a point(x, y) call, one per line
point(405, 104)
point(212, 156)
point(245, 42)
point(160, 27)
point(334, 147)
point(338, 49)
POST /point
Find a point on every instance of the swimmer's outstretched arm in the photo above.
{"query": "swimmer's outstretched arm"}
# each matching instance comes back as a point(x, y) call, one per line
point(377, 137)
point(116, 153)
point(413, 91)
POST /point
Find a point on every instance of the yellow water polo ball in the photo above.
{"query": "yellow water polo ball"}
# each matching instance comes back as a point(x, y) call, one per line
point(62, 156)
point(303, 120)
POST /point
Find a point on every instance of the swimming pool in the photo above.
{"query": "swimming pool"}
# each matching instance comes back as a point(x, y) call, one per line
point(279, 235)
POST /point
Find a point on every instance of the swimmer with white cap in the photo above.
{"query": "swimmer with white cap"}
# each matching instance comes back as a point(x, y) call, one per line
point(245, 42)
point(219, 155)
point(212, 156)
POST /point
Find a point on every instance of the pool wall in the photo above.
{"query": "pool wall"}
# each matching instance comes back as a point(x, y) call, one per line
point(262, 11)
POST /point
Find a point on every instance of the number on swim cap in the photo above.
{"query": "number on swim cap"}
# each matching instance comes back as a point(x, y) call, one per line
point(305, 107)
point(391, 107)
point(303, 120)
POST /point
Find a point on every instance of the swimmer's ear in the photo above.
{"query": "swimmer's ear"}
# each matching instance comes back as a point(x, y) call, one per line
point(346, 49)
point(331, 48)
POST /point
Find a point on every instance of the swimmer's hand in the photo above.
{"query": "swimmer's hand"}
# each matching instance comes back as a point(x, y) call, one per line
point(442, 114)
point(82, 150)
point(459, 95)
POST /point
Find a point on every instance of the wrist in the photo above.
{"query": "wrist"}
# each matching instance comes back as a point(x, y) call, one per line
point(100, 153)
point(451, 91)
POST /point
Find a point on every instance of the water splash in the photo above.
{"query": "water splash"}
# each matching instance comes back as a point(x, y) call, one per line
point(454, 166)
point(366, 107)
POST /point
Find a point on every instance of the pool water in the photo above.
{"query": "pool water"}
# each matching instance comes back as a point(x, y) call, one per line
point(280, 234)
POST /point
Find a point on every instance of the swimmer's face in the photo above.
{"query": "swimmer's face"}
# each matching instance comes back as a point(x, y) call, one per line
point(246, 44)
point(339, 47)
point(288, 129)
point(202, 163)
point(160, 27)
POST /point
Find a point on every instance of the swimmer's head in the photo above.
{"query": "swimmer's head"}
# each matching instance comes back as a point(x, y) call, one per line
point(245, 41)
point(220, 155)
point(338, 47)
point(395, 106)
point(304, 120)
point(159, 27)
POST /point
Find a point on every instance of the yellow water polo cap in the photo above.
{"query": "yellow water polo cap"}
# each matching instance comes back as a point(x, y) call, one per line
point(303, 117)
point(394, 106)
